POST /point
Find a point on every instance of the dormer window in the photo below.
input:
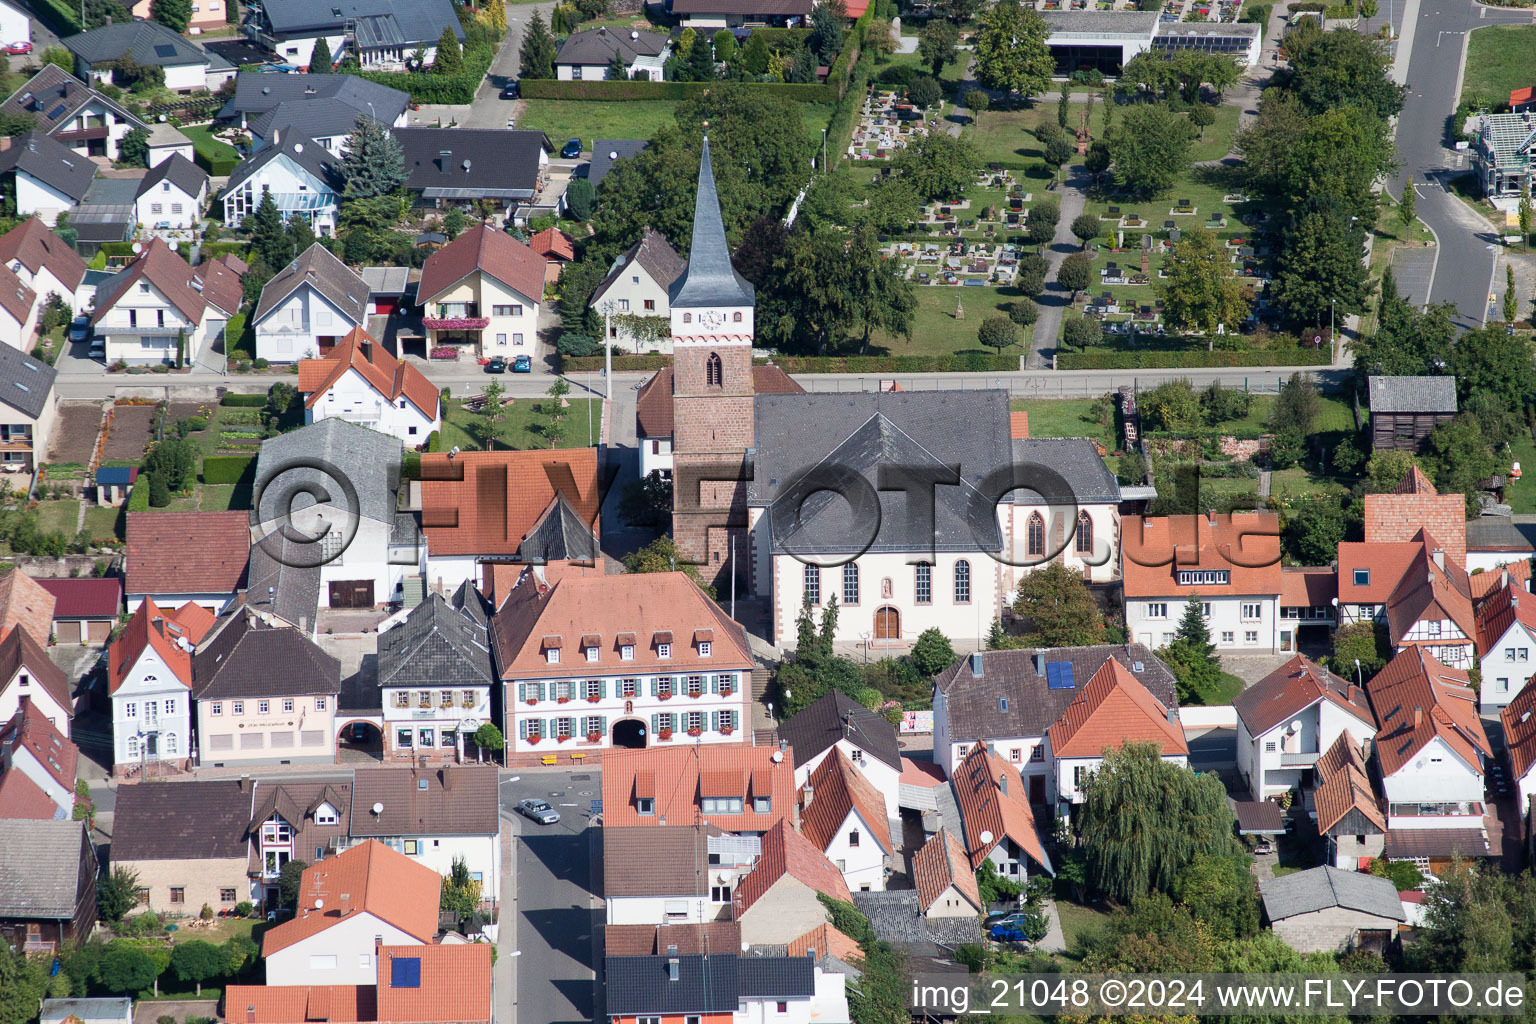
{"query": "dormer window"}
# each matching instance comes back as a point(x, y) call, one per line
point(591, 653)
point(552, 656)
point(762, 805)
point(325, 814)
point(627, 652)
point(663, 650)
point(723, 804)
point(645, 806)
point(704, 648)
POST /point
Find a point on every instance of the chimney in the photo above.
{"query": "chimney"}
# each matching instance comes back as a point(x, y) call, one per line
point(807, 794)
point(445, 161)
point(1418, 717)
point(1039, 663)
point(672, 969)
point(1503, 578)
point(447, 778)
point(245, 783)
point(22, 700)
point(1439, 557)
point(977, 663)
point(250, 1011)
point(1211, 516)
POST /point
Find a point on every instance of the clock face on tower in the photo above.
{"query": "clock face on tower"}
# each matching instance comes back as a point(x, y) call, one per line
point(711, 319)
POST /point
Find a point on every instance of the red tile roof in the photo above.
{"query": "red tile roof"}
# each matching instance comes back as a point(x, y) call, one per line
point(1415, 505)
point(1430, 591)
point(454, 988)
point(1308, 587)
point(1418, 699)
point(654, 939)
point(384, 373)
point(675, 771)
point(925, 774)
point(825, 940)
point(992, 800)
point(37, 249)
point(24, 603)
point(23, 799)
point(373, 879)
point(187, 552)
point(153, 627)
point(942, 863)
point(1484, 583)
point(837, 788)
point(1155, 548)
point(1385, 563)
point(1519, 721)
point(30, 730)
point(486, 503)
point(1504, 608)
point(1345, 753)
point(1519, 96)
point(552, 243)
point(786, 853)
point(1018, 425)
point(300, 1004)
point(19, 651)
point(15, 297)
point(85, 598)
point(1293, 687)
point(493, 252)
point(1345, 791)
point(188, 289)
point(1114, 709)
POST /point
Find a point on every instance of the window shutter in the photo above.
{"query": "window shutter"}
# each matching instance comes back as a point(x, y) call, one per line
point(654, 691)
point(655, 719)
point(522, 692)
point(714, 721)
point(714, 684)
point(603, 689)
point(522, 726)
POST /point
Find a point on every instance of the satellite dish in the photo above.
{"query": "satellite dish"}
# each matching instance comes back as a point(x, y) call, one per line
point(298, 147)
point(319, 903)
point(777, 756)
point(378, 808)
point(633, 34)
point(986, 836)
point(1296, 725)
point(613, 154)
point(138, 247)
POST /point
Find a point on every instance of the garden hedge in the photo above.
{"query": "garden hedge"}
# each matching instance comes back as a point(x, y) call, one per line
point(59, 16)
point(1190, 360)
point(215, 166)
point(591, 364)
point(552, 89)
point(228, 469)
point(244, 401)
point(427, 87)
point(968, 362)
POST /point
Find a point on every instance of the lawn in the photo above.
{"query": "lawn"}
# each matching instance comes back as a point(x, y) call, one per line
point(1521, 494)
point(1067, 417)
point(58, 517)
point(520, 428)
point(586, 120)
point(1333, 413)
point(1500, 59)
point(936, 332)
point(1218, 137)
point(951, 76)
point(1079, 922)
point(103, 523)
point(204, 142)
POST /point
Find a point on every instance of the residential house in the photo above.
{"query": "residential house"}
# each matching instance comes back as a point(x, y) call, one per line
point(29, 410)
point(654, 401)
point(844, 817)
point(25, 602)
point(1309, 597)
point(45, 264)
point(458, 166)
point(996, 818)
point(1229, 562)
point(1431, 607)
point(48, 177)
point(37, 767)
point(837, 722)
point(1506, 632)
point(739, 789)
point(1405, 409)
point(659, 939)
point(361, 381)
point(598, 662)
point(13, 22)
point(587, 55)
point(944, 879)
point(288, 820)
point(308, 307)
point(436, 675)
point(434, 816)
point(381, 34)
point(249, 715)
point(47, 885)
point(165, 141)
point(779, 899)
point(716, 14)
point(186, 843)
point(28, 677)
point(1414, 505)
point(18, 311)
point(1519, 721)
point(1007, 701)
point(69, 110)
point(352, 529)
point(1326, 910)
point(1113, 709)
point(96, 1010)
point(1430, 750)
point(188, 67)
point(608, 152)
point(637, 286)
point(1493, 542)
point(387, 288)
point(673, 875)
point(480, 508)
point(158, 309)
point(446, 984)
point(149, 678)
point(832, 950)
point(1349, 815)
point(349, 905)
point(206, 14)
point(719, 987)
point(483, 290)
point(181, 557)
point(172, 195)
point(85, 610)
point(1288, 719)
point(303, 178)
point(324, 106)
point(557, 248)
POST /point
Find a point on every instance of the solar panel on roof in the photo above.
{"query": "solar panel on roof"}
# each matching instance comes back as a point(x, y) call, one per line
point(1058, 675)
point(405, 972)
point(165, 50)
point(55, 112)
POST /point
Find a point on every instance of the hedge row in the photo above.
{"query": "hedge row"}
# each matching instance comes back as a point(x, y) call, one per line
point(427, 87)
point(1189, 360)
point(228, 469)
point(58, 15)
point(215, 166)
point(968, 362)
point(239, 401)
point(591, 364)
point(553, 89)
point(213, 250)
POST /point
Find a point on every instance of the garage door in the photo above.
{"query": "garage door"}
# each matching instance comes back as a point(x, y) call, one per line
point(67, 632)
point(99, 631)
point(385, 306)
point(352, 594)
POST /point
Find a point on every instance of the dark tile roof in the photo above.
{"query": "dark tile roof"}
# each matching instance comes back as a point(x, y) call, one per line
point(35, 247)
point(764, 977)
point(295, 802)
point(1292, 687)
point(281, 583)
point(705, 984)
point(664, 860)
point(147, 42)
point(457, 800)
point(1403, 843)
point(863, 432)
point(598, 45)
point(320, 118)
point(710, 279)
point(305, 152)
point(257, 93)
point(502, 164)
point(49, 161)
point(972, 701)
point(1076, 460)
point(1495, 533)
point(53, 96)
point(367, 458)
point(607, 152)
point(319, 268)
point(438, 643)
point(40, 868)
point(895, 918)
point(559, 535)
point(1413, 394)
point(237, 661)
point(194, 820)
point(1324, 888)
point(835, 716)
point(25, 383)
point(179, 171)
point(415, 21)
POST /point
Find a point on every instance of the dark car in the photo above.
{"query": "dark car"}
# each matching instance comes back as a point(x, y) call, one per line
point(496, 365)
point(509, 92)
point(522, 364)
point(572, 149)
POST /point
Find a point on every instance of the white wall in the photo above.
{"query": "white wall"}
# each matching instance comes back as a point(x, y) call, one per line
point(629, 292)
point(150, 680)
point(653, 909)
point(33, 196)
point(291, 330)
point(186, 77)
point(1489, 560)
point(169, 205)
point(880, 775)
point(481, 854)
point(353, 398)
point(656, 456)
point(16, 333)
point(365, 558)
point(1101, 562)
point(350, 941)
point(1435, 774)
point(10, 700)
point(862, 866)
point(14, 26)
point(1230, 631)
point(160, 154)
point(1321, 725)
point(1067, 792)
point(612, 708)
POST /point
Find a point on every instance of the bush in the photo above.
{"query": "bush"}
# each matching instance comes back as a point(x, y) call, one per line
point(616, 91)
point(579, 345)
point(245, 401)
point(138, 497)
point(159, 491)
point(228, 469)
point(1192, 359)
point(245, 908)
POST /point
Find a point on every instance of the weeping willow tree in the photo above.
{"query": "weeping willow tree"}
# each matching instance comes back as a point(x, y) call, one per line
point(1143, 820)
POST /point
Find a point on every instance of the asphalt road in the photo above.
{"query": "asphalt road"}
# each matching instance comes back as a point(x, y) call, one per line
point(1465, 260)
point(558, 928)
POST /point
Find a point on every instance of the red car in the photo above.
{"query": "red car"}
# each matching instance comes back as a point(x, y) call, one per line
point(17, 49)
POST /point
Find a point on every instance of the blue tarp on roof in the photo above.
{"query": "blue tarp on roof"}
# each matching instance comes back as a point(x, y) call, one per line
point(116, 476)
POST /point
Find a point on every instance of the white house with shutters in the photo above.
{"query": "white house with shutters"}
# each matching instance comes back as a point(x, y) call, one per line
point(1290, 718)
point(1506, 635)
point(149, 676)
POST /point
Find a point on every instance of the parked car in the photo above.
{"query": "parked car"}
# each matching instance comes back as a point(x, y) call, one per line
point(509, 91)
point(80, 329)
point(538, 810)
point(522, 364)
point(571, 150)
point(98, 349)
point(18, 48)
point(496, 365)
point(511, 123)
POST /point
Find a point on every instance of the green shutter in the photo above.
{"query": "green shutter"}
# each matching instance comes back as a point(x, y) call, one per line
point(714, 684)
point(714, 721)
point(655, 725)
point(653, 686)
point(603, 689)
point(522, 690)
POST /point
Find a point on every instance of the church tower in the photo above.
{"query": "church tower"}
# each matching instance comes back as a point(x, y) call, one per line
point(712, 392)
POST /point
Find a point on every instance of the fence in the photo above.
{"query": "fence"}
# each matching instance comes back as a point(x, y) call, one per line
point(1067, 385)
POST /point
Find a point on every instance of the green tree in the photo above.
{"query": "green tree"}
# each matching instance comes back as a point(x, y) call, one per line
point(618, 68)
point(320, 60)
point(289, 881)
point(300, 235)
point(1085, 226)
point(59, 57)
point(1525, 225)
point(1511, 310)
point(269, 238)
point(826, 38)
point(1407, 341)
point(925, 91)
point(175, 461)
point(1058, 152)
point(175, 15)
point(1192, 657)
point(555, 411)
point(1222, 893)
point(661, 555)
point(1313, 526)
point(197, 961)
point(1075, 273)
point(1059, 608)
point(1082, 333)
point(453, 223)
point(998, 332)
point(579, 197)
point(1202, 117)
point(1386, 469)
point(492, 415)
point(725, 44)
point(1365, 642)
point(994, 888)
point(825, 283)
point(1024, 312)
point(937, 46)
point(1010, 50)
point(536, 55)
point(159, 492)
point(372, 162)
point(1467, 923)
point(133, 150)
point(754, 56)
point(1064, 104)
point(977, 101)
point(1490, 361)
point(938, 166)
point(1409, 202)
point(127, 968)
point(1150, 150)
point(450, 56)
point(116, 894)
point(1172, 406)
point(1345, 69)
point(932, 653)
point(488, 737)
point(1296, 407)
point(460, 892)
point(1321, 266)
point(1144, 821)
point(1458, 457)
point(1199, 290)
point(1405, 875)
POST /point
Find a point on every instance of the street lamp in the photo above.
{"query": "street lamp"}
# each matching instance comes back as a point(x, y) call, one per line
point(823, 151)
point(1333, 338)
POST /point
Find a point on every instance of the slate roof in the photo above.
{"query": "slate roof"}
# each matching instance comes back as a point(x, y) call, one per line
point(487, 503)
point(1413, 394)
point(457, 800)
point(653, 402)
point(713, 984)
point(1112, 710)
point(53, 96)
point(489, 251)
point(179, 171)
point(598, 45)
point(416, 21)
point(25, 383)
point(237, 661)
point(40, 868)
point(1322, 888)
point(49, 161)
point(322, 271)
point(1102, 22)
point(835, 716)
point(710, 279)
point(559, 535)
point(1019, 676)
point(1075, 459)
point(316, 118)
point(35, 247)
point(501, 165)
point(940, 863)
point(863, 432)
point(147, 42)
point(787, 853)
point(1414, 682)
point(895, 917)
point(833, 791)
point(670, 860)
point(1490, 533)
point(187, 552)
point(25, 603)
point(203, 819)
point(367, 458)
point(606, 153)
point(257, 93)
point(374, 879)
point(655, 255)
point(19, 650)
point(282, 583)
point(305, 152)
point(439, 643)
point(1293, 687)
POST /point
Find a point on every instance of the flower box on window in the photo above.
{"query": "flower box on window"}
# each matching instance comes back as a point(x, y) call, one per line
point(455, 323)
point(726, 730)
point(664, 734)
point(695, 731)
point(531, 701)
point(593, 737)
point(562, 700)
point(593, 699)
point(725, 691)
point(663, 696)
point(534, 737)
point(561, 739)
point(470, 702)
point(696, 696)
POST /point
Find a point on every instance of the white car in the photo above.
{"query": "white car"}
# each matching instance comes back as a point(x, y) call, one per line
point(538, 810)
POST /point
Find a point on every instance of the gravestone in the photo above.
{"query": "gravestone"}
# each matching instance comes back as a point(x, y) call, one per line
point(959, 309)
point(1146, 243)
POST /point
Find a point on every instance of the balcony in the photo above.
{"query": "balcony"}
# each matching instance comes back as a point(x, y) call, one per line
point(284, 329)
point(455, 323)
point(143, 330)
point(1300, 760)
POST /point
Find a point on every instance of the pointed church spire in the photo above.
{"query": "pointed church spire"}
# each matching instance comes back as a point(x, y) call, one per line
point(710, 280)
